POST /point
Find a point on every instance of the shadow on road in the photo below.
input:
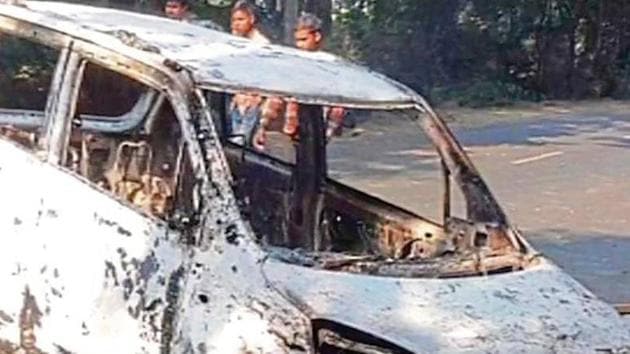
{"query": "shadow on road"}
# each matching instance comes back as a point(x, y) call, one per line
point(599, 261)
point(539, 132)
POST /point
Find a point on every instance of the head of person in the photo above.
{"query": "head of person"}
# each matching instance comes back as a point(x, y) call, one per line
point(176, 9)
point(308, 33)
point(244, 18)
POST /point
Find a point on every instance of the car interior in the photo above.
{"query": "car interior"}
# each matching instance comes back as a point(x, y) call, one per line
point(293, 202)
point(125, 137)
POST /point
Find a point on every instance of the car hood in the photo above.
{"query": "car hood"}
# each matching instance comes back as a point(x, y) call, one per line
point(539, 309)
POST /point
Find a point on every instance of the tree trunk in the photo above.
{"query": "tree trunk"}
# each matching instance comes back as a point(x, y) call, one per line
point(323, 10)
point(291, 10)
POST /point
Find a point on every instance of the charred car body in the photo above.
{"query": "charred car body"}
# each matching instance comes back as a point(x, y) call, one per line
point(132, 222)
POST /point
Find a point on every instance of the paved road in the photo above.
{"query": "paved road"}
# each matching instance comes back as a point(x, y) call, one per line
point(564, 181)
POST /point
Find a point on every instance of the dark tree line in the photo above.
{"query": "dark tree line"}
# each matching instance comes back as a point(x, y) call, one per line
point(474, 51)
point(492, 50)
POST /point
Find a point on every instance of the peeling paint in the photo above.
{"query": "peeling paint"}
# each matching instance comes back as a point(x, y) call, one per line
point(172, 296)
point(502, 313)
point(121, 230)
point(30, 320)
point(231, 235)
point(4, 317)
point(110, 272)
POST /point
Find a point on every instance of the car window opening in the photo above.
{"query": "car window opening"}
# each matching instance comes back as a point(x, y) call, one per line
point(144, 164)
point(26, 71)
point(324, 199)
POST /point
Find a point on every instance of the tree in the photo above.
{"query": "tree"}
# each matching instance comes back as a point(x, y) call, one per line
point(490, 51)
point(520, 49)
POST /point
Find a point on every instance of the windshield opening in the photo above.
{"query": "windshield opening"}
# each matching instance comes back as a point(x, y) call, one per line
point(344, 186)
point(387, 155)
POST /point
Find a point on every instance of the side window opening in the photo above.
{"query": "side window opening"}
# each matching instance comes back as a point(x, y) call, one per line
point(242, 117)
point(107, 94)
point(371, 186)
point(142, 164)
point(381, 152)
point(26, 72)
point(374, 188)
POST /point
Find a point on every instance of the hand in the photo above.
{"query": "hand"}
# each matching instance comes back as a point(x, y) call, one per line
point(260, 139)
point(291, 122)
point(336, 116)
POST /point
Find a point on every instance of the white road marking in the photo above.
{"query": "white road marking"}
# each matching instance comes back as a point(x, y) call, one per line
point(537, 158)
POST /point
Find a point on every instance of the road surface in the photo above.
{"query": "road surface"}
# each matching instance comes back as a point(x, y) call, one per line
point(562, 176)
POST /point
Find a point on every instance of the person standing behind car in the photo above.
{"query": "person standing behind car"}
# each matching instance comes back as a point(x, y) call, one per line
point(179, 10)
point(244, 22)
point(245, 109)
point(308, 36)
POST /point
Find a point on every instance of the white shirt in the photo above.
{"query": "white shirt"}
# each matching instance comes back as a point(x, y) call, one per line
point(258, 37)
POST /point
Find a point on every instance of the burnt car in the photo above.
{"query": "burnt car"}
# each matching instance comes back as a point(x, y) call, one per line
point(133, 221)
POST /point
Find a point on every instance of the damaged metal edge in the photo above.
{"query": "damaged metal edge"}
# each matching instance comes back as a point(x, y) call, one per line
point(313, 100)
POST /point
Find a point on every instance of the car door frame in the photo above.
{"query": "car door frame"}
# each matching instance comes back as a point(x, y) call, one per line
point(59, 114)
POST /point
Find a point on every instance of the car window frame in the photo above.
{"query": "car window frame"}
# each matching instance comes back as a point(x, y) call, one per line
point(156, 97)
point(35, 118)
point(59, 116)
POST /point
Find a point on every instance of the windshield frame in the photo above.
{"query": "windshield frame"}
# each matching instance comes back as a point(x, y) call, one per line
point(481, 204)
point(482, 209)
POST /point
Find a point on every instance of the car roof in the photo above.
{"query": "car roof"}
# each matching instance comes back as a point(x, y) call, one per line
point(222, 62)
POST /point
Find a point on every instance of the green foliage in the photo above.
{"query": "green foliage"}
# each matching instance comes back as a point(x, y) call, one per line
point(25, 73)
point(218, 15)
point(491, 51)
point(478, 52)
point(404, 38)
point(485, 93)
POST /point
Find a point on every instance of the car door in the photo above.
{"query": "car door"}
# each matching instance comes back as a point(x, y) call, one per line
point(280, 187)
point(27, 90)
point(262, 180)
point(91, 253)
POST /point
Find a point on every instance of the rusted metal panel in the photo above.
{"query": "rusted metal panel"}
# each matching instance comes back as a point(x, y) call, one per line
point(480, 204)
point(229, 307)
point(65, 89)
point(307, 183)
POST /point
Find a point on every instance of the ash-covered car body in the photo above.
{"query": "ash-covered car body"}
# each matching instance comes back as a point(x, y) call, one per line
point(132, 223)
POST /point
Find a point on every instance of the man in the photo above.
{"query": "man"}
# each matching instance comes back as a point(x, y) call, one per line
point(308, 36)
point(179, 10)
point(244, 22)
point(245, 108)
